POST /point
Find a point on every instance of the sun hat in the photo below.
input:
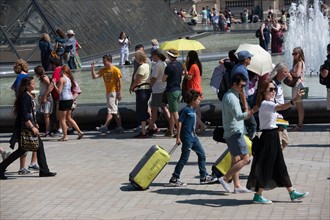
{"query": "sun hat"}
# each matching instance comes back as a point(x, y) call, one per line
point(244, 54)
point(173, 53)
point(70, 32)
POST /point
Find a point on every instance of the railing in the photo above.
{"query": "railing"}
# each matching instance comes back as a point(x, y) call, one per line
point(239, 4)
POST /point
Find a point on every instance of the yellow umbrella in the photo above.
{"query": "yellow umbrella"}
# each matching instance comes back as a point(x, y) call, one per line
point(182, 44)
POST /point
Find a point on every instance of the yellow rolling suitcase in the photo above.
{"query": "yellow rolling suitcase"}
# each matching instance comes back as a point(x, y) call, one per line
point(223, 163)
point(150, 165)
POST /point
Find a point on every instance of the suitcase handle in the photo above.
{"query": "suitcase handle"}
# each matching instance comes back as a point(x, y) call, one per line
point(173, 148)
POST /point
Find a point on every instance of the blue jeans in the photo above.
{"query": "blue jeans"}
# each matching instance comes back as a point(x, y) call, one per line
point(185, 152)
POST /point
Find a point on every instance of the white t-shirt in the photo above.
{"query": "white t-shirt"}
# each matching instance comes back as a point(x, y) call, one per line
point(267, 115)
point(157, 72)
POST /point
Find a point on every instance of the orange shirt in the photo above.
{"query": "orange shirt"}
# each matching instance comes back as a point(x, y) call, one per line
point(196, 80)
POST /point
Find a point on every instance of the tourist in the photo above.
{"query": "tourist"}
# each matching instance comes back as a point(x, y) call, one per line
point(222, 21)
point(193, 78)
point(279, 73)
point(264, 38)
point(141, 87)
point(45, 48)
point(228, 19)
point(194, 16)
point(283, 16)
point(64, 88)
point(45, 107)
point(112, 79)
point(233, 125)
point(204, 16)
point(268, 169)
point(172, 77)
point(154, 46)
point(325, 73)
point(60, 44)
point(298, 70)
point(23, 110)
point(56, 64)
point(124, 43)
point(158, 87)
point(244, 59)
point(70, 46)
point(190, 142)
point(21, 68)
point(277, 37)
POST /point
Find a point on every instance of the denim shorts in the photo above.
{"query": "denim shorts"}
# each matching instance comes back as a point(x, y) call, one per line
point(237, 145)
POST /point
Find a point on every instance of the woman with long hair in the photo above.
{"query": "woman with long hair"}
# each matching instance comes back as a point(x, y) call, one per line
point(298, 70)
point(64, 89)
point(45, 107)
point(193, 80)
point(45, 49)
point(60, 41)
point(268, 169)
point(24, 111)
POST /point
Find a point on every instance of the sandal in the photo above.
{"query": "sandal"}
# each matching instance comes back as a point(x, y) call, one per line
point(63, 139)
point(80, 135)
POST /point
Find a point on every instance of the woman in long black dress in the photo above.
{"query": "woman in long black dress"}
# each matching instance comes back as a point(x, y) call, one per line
point(23, 109)
point(268, 169)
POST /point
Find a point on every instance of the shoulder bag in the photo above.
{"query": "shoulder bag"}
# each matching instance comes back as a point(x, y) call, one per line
point(292, 82)
point(28, 141)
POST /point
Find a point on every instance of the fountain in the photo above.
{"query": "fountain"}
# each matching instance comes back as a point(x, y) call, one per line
point(308, 28)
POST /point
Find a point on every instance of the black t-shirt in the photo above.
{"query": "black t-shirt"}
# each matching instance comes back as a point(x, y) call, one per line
point(174, 73)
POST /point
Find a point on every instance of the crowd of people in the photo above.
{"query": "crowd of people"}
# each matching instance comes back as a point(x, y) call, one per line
point(65, 49)
point(165, 83)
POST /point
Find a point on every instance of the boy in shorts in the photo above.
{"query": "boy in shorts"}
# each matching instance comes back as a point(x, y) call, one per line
point(190, 141)
point(113, 83)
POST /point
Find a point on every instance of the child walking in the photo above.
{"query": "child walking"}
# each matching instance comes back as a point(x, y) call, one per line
point(186, 134)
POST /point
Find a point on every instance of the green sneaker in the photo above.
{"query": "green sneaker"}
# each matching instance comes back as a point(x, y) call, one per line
point(294, 195)
point(259, 199)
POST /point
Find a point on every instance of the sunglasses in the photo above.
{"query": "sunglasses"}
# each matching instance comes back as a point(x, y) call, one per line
point(272, 89)
point(293, 54)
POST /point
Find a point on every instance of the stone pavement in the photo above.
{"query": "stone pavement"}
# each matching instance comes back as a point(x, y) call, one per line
point(92, 182)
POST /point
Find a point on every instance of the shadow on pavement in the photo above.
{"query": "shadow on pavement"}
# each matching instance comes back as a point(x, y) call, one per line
point(216, 202)
point(310, 145)
point(187, 191)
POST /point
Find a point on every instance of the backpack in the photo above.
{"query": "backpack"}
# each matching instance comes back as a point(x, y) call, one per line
point(258, 33)
point(225, 85)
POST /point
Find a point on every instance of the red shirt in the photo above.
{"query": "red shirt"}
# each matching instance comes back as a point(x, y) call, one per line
point(56, 75)
point(196, 80)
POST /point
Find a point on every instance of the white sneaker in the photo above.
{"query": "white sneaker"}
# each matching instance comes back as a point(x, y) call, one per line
point(241, 190)
point(224, 184)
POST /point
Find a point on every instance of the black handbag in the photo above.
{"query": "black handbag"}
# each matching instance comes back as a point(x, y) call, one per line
point(292, 82)
point(29, 141)
point(218, 134)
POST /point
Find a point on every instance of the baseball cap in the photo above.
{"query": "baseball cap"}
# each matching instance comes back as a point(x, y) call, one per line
point(244, 54)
